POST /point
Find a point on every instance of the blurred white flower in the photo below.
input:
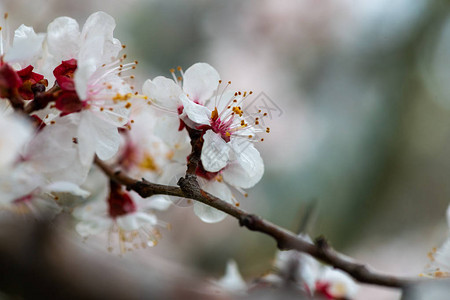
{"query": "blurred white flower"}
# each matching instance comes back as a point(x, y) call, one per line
point(123, 214)
point(232, 281)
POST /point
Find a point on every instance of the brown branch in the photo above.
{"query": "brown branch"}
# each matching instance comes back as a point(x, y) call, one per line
point(285, 239)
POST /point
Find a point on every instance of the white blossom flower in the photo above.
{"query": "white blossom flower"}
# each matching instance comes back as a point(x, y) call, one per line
point(93, 97)
point(122, 214)
point(232, 282)
point(228, 154)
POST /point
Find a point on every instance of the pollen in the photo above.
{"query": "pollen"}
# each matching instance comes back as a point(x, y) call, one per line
point(237, 110)
point(214, 114)
point(172, 70)
point(227, 134)
point(267, 129)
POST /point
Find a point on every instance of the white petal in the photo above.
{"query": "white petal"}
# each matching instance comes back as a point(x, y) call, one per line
point(197, 113)
point(200, 81)
point(340, 284)
point(215, 152)
point(16, 132)
point(93, 226)
point(104, 136)
point(85, 69)
point(63, 38)
point(26, 46)
point(67, 187)
point(136, 220)
point(158, 202)
point(232, 280)
point(247, 169)
point(97, 39)
point(163, 91)
point(53, 152)
point(207, 213)
point(167, 129)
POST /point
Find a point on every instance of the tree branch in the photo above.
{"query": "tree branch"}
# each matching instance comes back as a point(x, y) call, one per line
point(285, 239)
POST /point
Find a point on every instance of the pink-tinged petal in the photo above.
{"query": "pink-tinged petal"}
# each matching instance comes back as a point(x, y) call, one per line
point(27, 46)
point(163, 91)
point(200, 81)
point(247, 168)
point(63, 38)
point(215, 152)
point(195, 112)
point(207, 213)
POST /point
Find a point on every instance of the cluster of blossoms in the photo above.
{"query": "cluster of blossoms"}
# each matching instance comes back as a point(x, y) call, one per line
point(67, 98)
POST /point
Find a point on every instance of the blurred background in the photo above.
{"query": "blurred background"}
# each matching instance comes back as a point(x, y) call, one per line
point(362, 126)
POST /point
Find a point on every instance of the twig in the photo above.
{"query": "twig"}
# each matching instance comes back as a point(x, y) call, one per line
point(286, 240)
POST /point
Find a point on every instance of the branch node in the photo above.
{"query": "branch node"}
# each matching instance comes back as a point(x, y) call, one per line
point(249, 221)
point(321, 243)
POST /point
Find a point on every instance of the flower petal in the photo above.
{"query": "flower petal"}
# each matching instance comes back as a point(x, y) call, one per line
point(97, 39)
point(200, 81)
point(215, 152)
point(247, 169)
point(207, 213)
point(63, 38)
point(163, 91)
point(67, 187)
point(27, 45)
point(196, 113)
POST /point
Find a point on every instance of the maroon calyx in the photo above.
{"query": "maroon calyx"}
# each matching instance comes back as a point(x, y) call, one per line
point(10, 81)
point(67, 100)
point(29, 81)
point(119, 201)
